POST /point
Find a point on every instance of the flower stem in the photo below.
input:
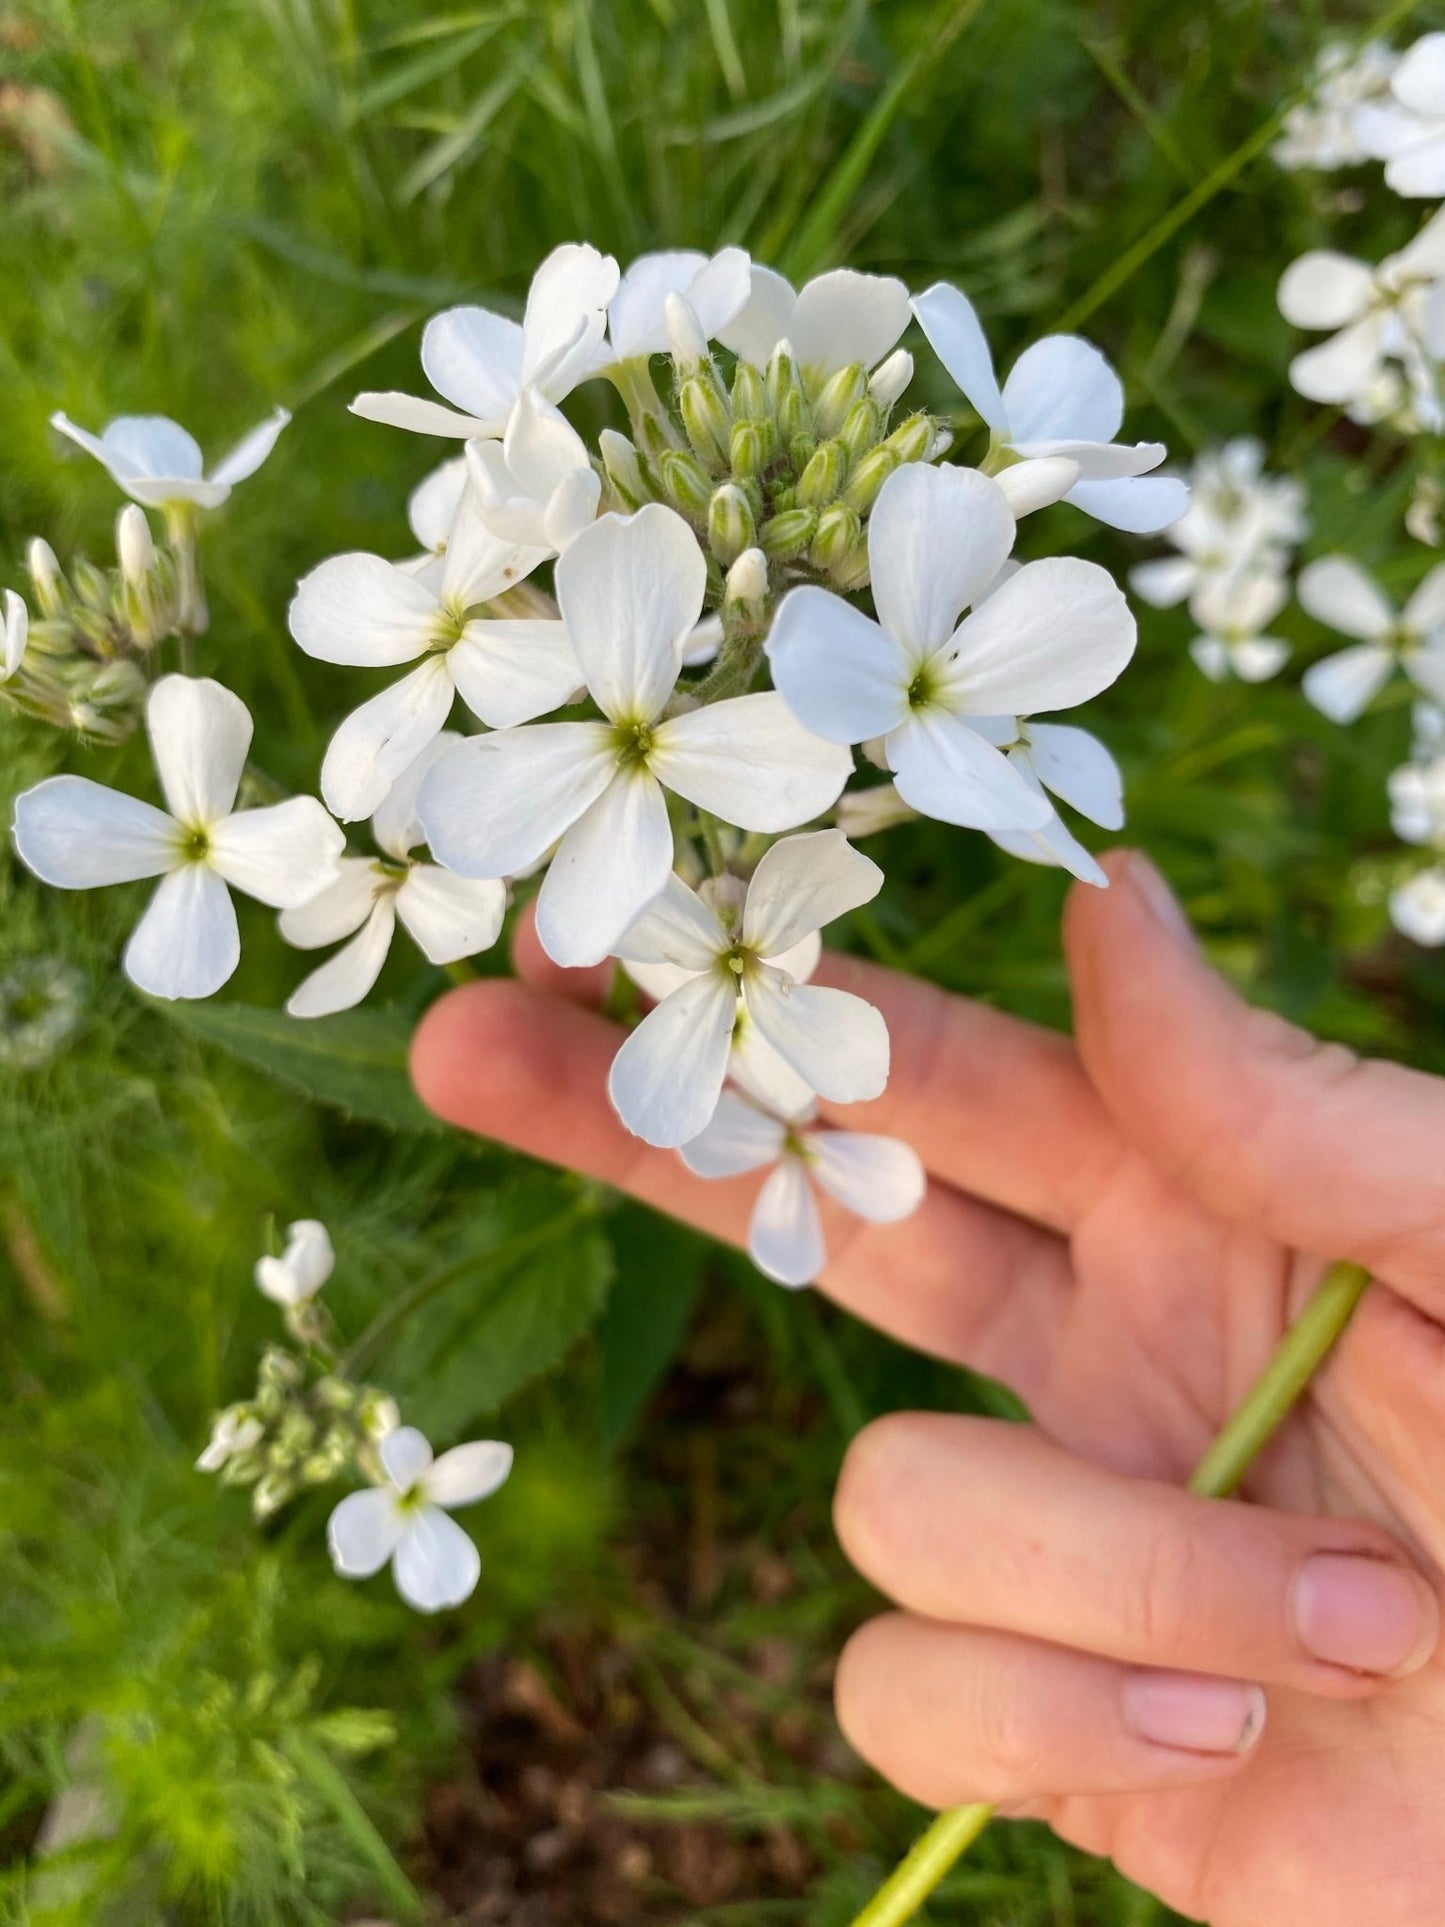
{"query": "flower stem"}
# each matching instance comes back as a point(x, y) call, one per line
point(1268, 1403)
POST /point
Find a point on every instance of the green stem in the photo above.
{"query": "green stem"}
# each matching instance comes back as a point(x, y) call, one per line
point(1267, 1404)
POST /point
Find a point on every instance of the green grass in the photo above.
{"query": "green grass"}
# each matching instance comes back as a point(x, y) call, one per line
point(209, 210)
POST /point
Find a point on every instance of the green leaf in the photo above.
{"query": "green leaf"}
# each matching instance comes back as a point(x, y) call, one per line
point(659, 1270)
point(355, 1061)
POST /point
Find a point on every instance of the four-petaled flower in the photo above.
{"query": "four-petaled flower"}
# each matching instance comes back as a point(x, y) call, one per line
point(303, 1267)
point(1340, 594)
point(78, 835)
point(631, 589)
point(876, 1178)
point(434, 1563)
point(158, 464)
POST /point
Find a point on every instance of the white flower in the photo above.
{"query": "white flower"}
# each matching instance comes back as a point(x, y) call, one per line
point(1393, 312)
point(631, 590)
point(1240, 522)
point(1053, 634)
point(1322, 132)
point(158, 464)
point(1417, 907)
point(362, 609)
point(665, 1080)
point(1427, 730)
point(1234, 611)
point(17, 635)
point(1417, 802)
point(1061, 400)
point(877, 1178)
point(448, 917)
point(481, 361)
point(434, 1563)
point(837, 320)
point(1074, 766)
point(1340, 594)
point(714, 289)
point(1407, 131)
point(537, 486)
point(233, 1431)
point(78, 835)
point(303, 1267)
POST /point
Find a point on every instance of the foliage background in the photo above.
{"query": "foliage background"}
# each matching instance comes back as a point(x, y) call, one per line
point(207, 210)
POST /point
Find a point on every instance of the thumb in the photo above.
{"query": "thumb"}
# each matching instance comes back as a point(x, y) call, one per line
point(1330, 1153)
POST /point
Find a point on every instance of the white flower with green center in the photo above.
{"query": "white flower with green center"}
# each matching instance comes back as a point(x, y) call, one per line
point(481, 361)
point(434, 1563)
point(837, 320)
point(159, 465)
point(361, 610)
point(631, 590)
point(303, 1267)
point(447, 917)
point(537, 486)
point(665, 1080)
point(1343, 596)
point(78, 835)
point(1050, 635)
point(16, 635)
point(876, 1178)
point(1062, 402)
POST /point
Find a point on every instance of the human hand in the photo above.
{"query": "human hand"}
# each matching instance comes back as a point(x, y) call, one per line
point(1121, 1228)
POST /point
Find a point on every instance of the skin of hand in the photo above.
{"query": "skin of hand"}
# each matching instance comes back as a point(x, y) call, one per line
point(1241, 1703)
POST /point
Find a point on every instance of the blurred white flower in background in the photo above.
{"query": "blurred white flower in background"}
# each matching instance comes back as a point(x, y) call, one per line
point(1404, 126)
point(1240, 522)
point(1343, 596)
point(159, 464)
point(1417, 814)
point(1234, 613)
point(302, 1268)
point(1323, 132)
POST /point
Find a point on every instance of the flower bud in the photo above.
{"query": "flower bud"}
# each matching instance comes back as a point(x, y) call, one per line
point(890, 378)
point(747, 581)
point(749, 448)
point(750, 395)
point(133, 545)
point(912, 440)
point(839, 530)
point(788, 534)
point(866, 812)
point(685, 338)
point(272, 1493)
point(45, 576)
point(704, 409)
point(786, 399)
point(685, 482)
point(336, 1394)
point(823, 478)
point(862, 425)
point(730, 524)
point(869, 476)
point(624, 471)
point(379, 1414)
point(837, 396)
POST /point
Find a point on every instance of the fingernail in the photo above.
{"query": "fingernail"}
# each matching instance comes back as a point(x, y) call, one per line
point(1161, 900)
point(1366, 1614)
point(1193, 1713)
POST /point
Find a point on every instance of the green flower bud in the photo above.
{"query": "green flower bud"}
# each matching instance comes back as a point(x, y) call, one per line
point(912, 440)
point(837, 396)
point(705, 416)
point(750, 394)
point(337, 1394)
point(823, 478)
point(862, 426)
point(839, 529)
point(783, 498)
point(685, 483)
point(272, 1493)
point(730, 524)
point(624, 471)
point(786, 399)
point(788, 534)
point(869, 476)
point(92, 586)
point(749, 448)
point(46, 577)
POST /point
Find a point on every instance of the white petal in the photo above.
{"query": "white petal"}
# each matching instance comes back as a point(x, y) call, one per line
point(17, 634)
point(1426, 668)
point(944, 769)
point(435, 1565)
point(842, 676)
point(1054, 845)
point(1417, 908)
point(765, 319)
point(630, 589)
point(936, 540)
point(1037, 482)
point(450, 917)
point(739, 1138)
point(1063, 387)
point(1053, 635)
point(751, 762)
point(361, 609)
point(479, 563)
point(720, 291)
point(845, 317)
point(835, 1041)
point(573, 507)
point(383, 738)
point(566, 317)
point(469, 1472)
point(343, 980)
point(1342, 685)
point(1340, 594)
point(635, 324)
point(252, 449)
point(957, 338)
point(284, 855)
point(1140, 504)
point(665, 1080)
point(405, 1455)
point(1165, 583)
point(1077, 767)
point(877, 1178)
point(757, 1070)
point(785, 1236)
point(474, 358)
point(1418, 173)
point(200, 734)
point(541, 446)
point(511, 670)
point(1418, 82)
point(187, 943)
point(1325, 290)
point(1096, 461)
point(309, 1257)
point(802, 884)
point(77, 835)
point(1425, 611)
point(421, 415)
point(134, 446)
point(609, 866)
point(1212, 657)
point(394, 822)
point(497, 803)
point(1258, 658)
point(432, 505)
point(1343, 368)
point(703, 642)
point(362, 1532)
point(677, 928)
